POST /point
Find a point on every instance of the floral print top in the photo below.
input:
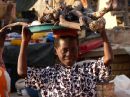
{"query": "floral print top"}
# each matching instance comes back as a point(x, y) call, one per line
point(78, 81)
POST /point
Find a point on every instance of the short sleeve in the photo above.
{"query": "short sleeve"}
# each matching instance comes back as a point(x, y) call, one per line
point(34, 77)
point(97, 69)
point(100, 70)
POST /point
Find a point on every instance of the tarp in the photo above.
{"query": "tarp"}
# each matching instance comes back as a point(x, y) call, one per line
point(23, 5)
point(37, 55)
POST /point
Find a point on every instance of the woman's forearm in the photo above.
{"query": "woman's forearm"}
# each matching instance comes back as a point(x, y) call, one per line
point(22, 60)
point(108, 55)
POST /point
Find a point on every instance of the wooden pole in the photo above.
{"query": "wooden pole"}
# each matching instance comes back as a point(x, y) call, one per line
point(84, 3)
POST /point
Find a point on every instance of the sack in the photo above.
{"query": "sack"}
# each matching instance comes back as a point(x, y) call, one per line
point(122, 86)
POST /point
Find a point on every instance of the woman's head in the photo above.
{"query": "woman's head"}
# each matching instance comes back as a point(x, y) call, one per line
point(66, 47)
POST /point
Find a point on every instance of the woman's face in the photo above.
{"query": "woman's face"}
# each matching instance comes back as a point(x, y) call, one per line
point(67, 51)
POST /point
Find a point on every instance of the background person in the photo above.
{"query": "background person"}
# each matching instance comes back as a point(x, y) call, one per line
point(5, 80)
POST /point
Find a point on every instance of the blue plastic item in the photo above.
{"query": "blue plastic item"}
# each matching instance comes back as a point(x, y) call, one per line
point(44, 28)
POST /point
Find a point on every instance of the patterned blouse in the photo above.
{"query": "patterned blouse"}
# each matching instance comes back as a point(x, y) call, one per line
point(78, 81)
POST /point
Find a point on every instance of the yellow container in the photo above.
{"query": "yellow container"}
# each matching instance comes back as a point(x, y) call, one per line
point(39, 35)
point(16, 42)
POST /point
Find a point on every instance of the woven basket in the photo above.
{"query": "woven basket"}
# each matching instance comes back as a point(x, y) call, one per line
point(121, 65)
point(105, 90)
point(3, 8)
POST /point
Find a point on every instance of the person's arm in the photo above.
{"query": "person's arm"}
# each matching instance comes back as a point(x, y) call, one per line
point(22, 61)
point(33, 76)
point(108, 55)
point(2, 39)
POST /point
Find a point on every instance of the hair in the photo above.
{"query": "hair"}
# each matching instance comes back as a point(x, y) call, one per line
point(70, 38)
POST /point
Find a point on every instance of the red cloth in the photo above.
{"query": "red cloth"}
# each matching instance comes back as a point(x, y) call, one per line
point(3, 85)
point(90, 45)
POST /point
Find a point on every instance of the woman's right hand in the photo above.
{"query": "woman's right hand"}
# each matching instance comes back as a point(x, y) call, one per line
point(26, 35)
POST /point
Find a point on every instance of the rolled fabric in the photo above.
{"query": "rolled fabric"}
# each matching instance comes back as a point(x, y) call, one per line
point(65, 32)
